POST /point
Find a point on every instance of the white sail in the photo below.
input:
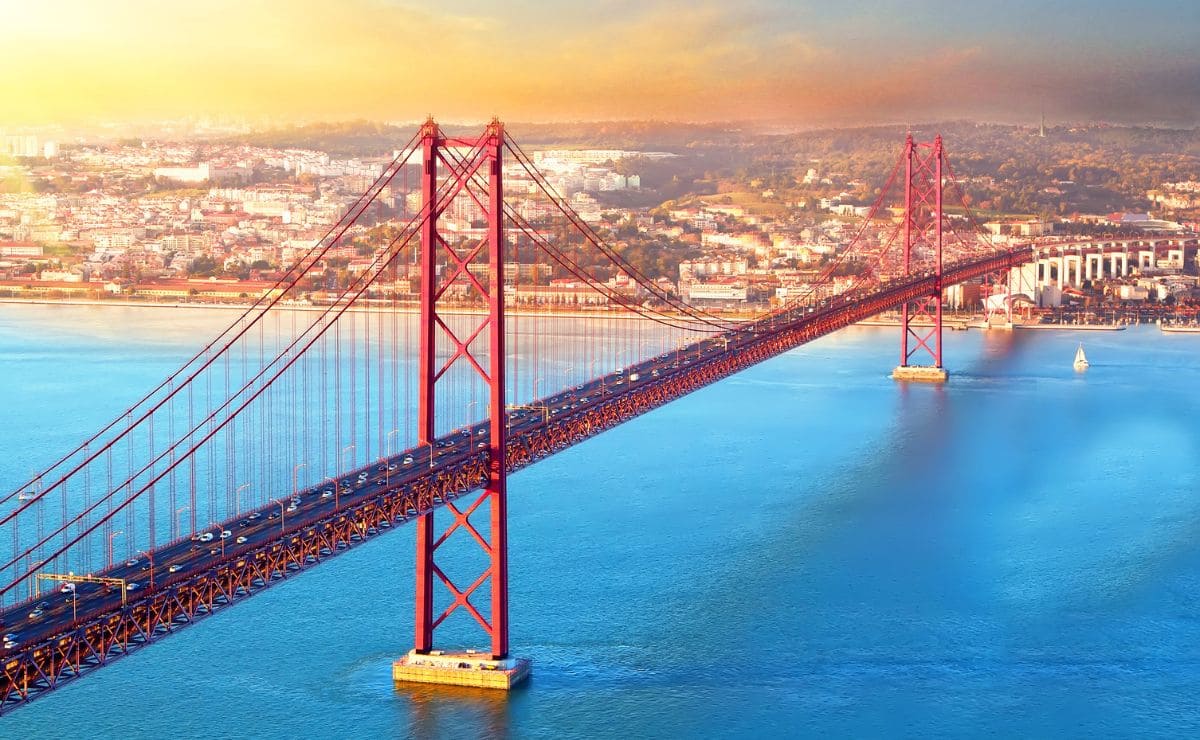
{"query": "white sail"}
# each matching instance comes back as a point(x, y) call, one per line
point(1081, 360)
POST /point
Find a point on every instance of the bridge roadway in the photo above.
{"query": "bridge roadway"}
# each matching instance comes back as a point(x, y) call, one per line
point(60, 635)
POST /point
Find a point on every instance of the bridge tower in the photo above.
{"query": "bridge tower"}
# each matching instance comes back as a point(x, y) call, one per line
point(921, 318)
point(445, 344)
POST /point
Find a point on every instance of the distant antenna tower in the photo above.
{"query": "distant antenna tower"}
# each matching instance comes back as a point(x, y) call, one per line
point(1042, 128)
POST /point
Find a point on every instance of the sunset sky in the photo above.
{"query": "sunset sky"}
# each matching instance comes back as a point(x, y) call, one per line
point(794, 61)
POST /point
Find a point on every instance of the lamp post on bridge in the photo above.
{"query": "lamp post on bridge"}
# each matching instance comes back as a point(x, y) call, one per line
point(177, 519)
point(74, 600)
point(220, 530)
point(237, 495)
point(387, 473)
point(110, 545)
point(388, 442)
point(296, 477)
point(341, 470)
point(149, 556)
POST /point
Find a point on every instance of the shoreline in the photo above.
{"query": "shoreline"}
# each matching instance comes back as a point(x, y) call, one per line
point(957, 323)
point(406, 309)
point(1074, 327)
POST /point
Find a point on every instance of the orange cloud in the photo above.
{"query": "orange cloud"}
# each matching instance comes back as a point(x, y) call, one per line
point(71, 60)
point(132, 58)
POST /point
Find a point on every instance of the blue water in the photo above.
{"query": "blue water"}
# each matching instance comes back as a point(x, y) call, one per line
point(805, 549)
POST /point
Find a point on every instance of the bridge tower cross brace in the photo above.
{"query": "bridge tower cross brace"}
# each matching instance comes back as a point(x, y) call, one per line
point(461, 180)
point(921, 319)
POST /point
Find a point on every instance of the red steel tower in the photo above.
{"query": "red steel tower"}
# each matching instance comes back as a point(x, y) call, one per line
point(921, 319)
point(466, 163)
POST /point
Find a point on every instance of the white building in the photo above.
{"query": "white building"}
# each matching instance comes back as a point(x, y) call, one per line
point(716, 292)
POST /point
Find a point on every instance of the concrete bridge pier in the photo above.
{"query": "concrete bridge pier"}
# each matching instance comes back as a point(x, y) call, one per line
point(1072, 270)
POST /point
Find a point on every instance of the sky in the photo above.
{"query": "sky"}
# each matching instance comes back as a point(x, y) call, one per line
point(785, 61)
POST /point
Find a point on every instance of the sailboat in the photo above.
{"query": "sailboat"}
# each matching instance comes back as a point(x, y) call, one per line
point(1081, 361)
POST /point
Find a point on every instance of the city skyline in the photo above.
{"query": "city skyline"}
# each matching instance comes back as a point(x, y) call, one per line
point(768, 60)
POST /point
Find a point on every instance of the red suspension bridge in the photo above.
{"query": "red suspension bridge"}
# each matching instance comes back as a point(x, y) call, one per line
point(302, 430)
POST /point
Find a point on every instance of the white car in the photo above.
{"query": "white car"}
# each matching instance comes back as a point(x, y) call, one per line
point(175, 568)
point(67, 588)
point(10, 644)
point(206, 537)
point(131, 563)
point(240, 540)
point(226, 534)
point(131, 586)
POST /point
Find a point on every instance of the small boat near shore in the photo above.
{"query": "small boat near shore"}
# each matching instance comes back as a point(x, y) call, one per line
point(1179, 328)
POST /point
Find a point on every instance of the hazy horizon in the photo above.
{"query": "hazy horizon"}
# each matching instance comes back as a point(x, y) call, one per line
point(225, 126)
